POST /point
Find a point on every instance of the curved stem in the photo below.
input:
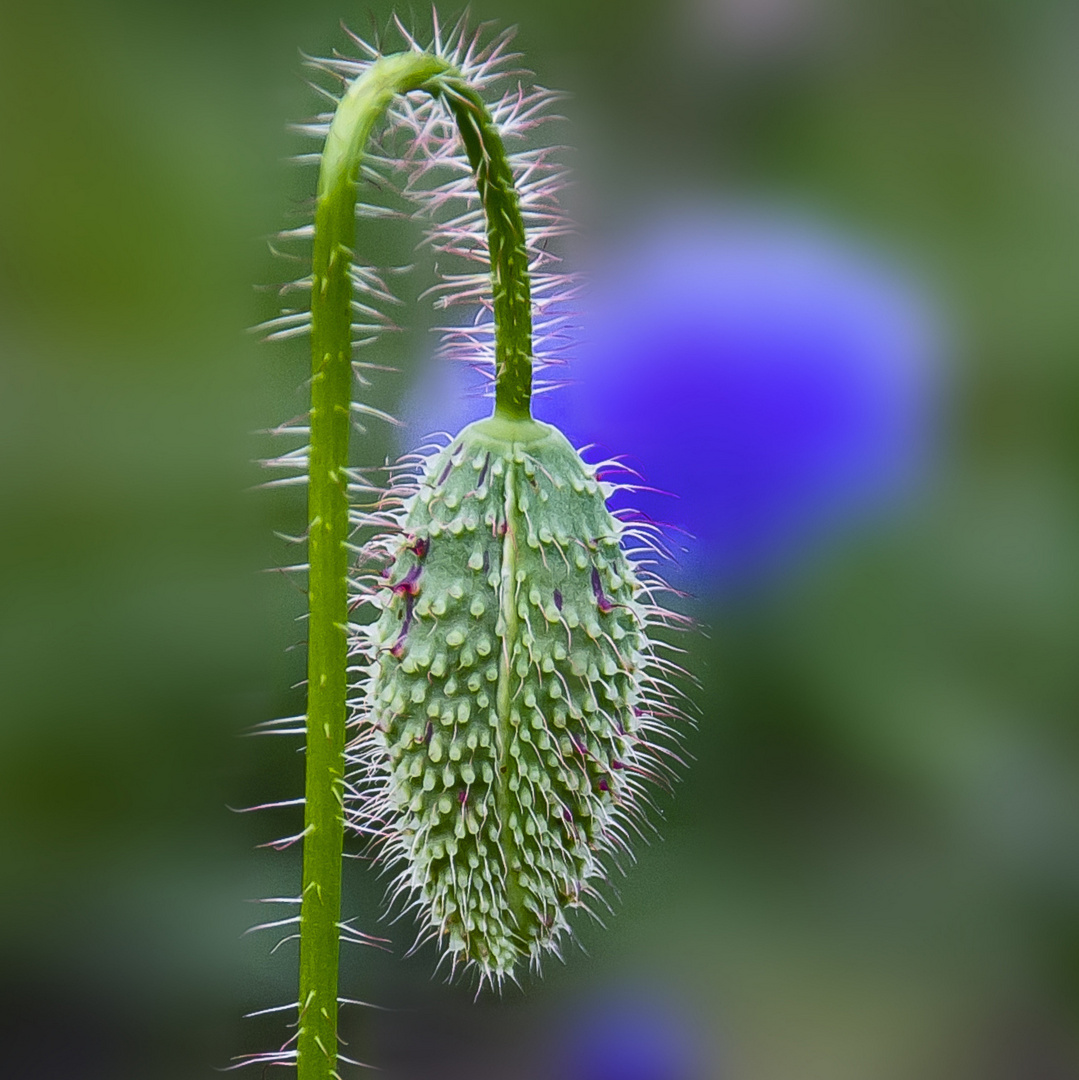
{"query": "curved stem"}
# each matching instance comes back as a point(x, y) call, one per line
point(506, 242)
point(331, 380)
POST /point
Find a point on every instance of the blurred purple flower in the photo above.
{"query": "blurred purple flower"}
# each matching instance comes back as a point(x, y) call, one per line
point(776, 379)
point(626, 1036)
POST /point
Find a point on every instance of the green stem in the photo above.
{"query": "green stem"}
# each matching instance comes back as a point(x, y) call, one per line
point(360, 109)
point(506, 243)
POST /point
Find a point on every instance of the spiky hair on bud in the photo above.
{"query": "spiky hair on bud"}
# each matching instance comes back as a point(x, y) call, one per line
point(513, 698)
point(512, 686)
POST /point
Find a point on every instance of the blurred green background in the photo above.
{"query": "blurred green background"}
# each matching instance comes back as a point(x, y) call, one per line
point(870, 872)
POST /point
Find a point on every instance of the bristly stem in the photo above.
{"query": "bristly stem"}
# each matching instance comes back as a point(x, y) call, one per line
point(362, 106)
point(506, 243)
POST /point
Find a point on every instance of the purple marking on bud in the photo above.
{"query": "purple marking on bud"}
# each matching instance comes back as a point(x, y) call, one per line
point(558, 599)
point(603, 786)
point(567, 816)
point(421, 546)
point(483, 471)
point(409, 585)
point(398, 648)
point(617, 765)
point(462, 797)
point(602, 602)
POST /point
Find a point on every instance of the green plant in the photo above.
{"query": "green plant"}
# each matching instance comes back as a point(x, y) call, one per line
point(508, 697)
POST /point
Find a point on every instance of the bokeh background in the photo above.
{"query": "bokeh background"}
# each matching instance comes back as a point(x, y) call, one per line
point(870, 870)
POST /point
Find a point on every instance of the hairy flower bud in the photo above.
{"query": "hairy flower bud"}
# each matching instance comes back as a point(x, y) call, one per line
point(505, 694)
